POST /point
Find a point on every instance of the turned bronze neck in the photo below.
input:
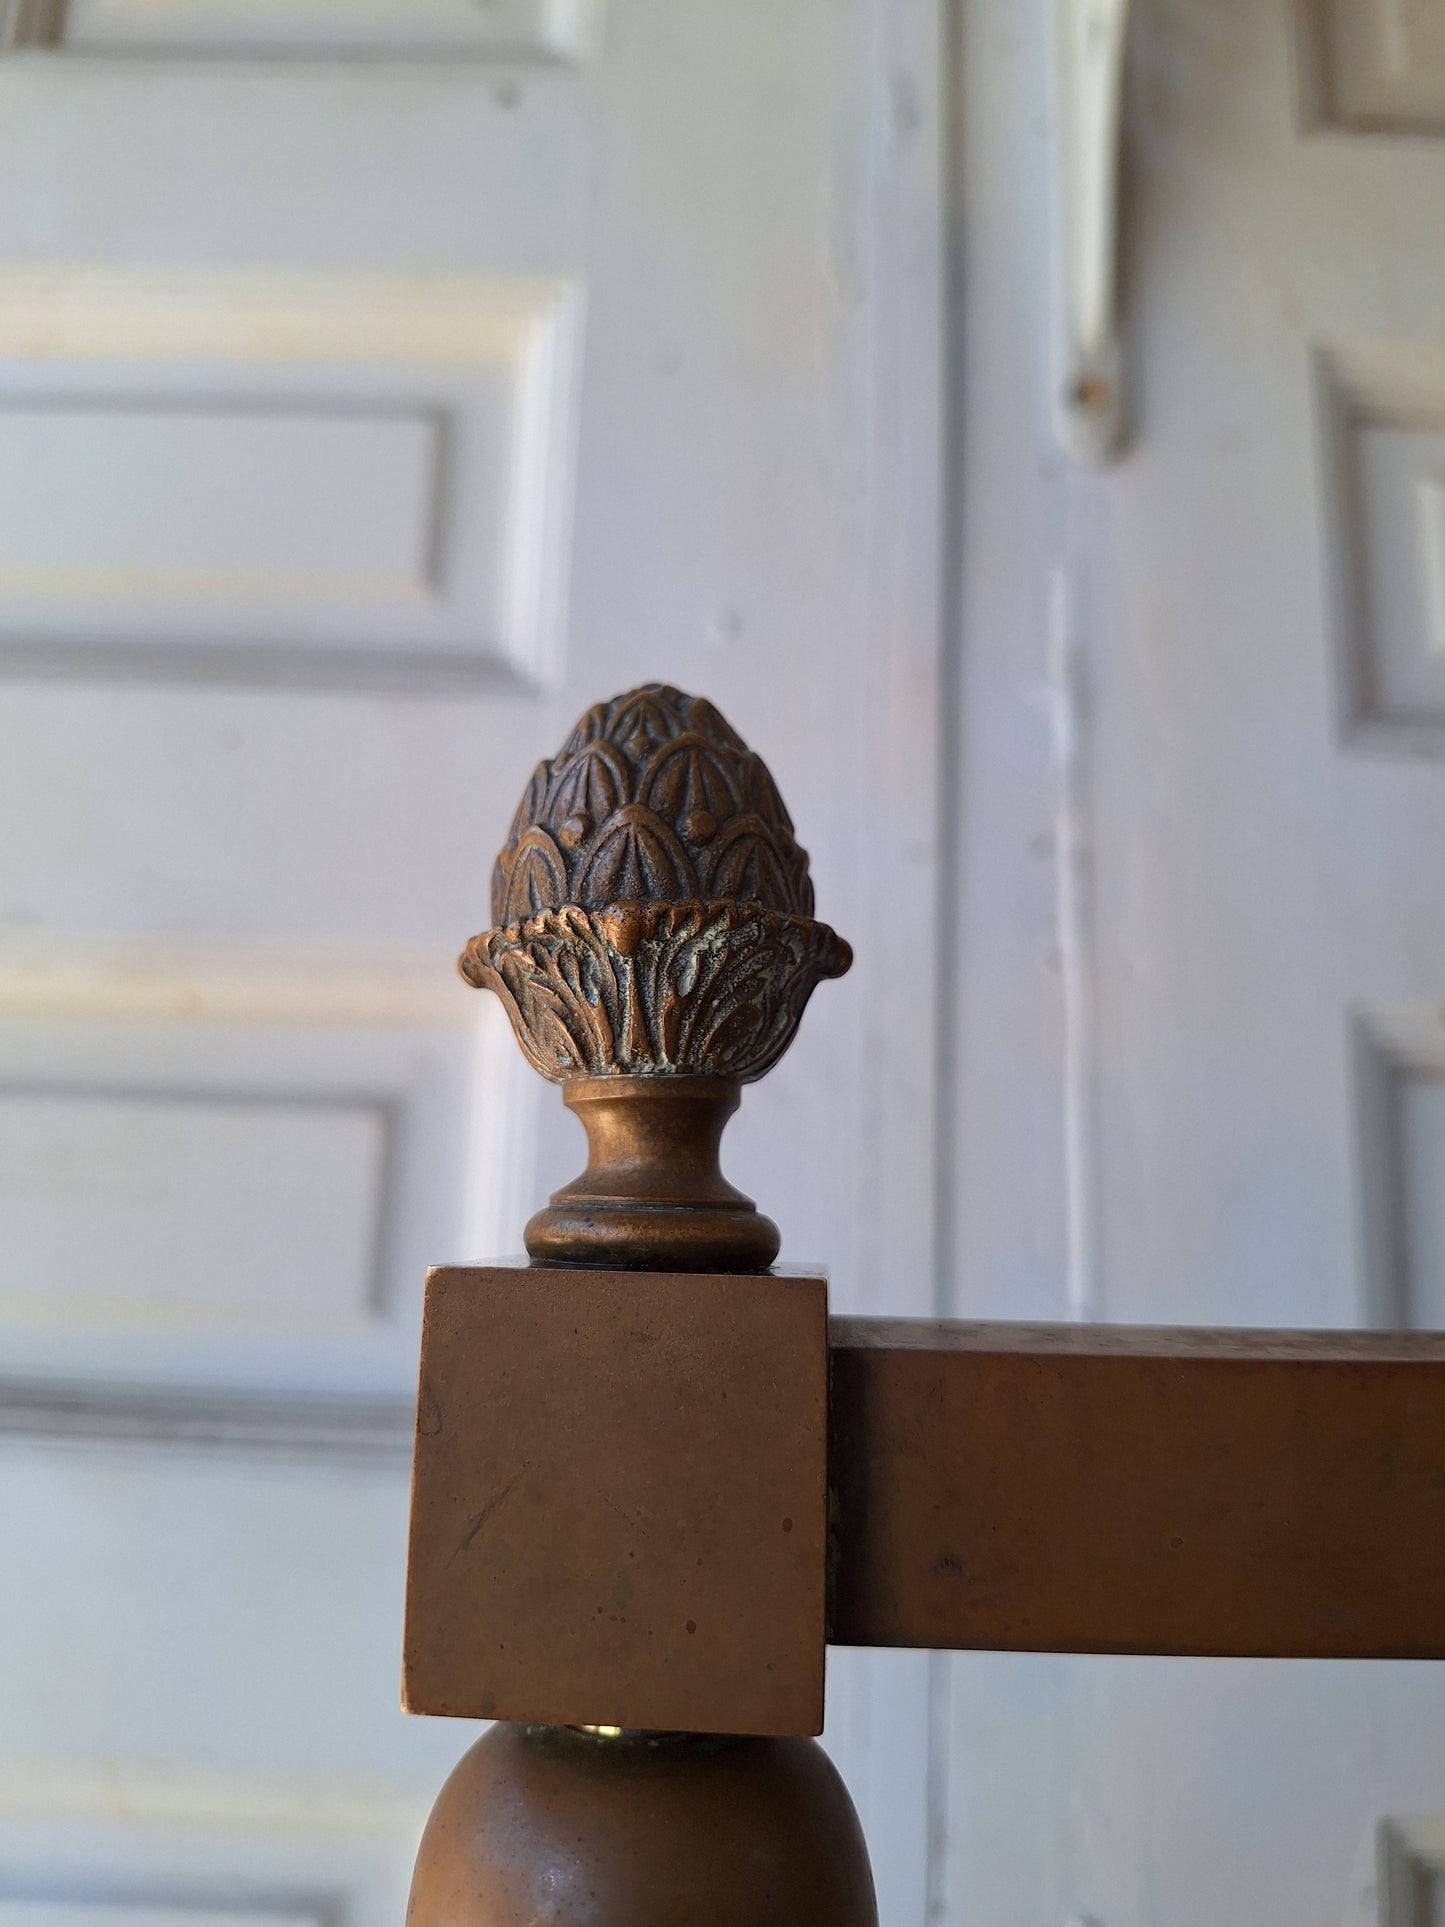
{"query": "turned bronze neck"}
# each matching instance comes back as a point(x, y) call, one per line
point(653, 1195)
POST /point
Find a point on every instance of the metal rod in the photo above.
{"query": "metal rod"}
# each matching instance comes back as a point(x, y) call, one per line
point(1103, 1489)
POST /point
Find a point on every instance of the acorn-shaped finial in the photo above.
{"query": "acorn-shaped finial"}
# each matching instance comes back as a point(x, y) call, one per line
point(654, 945)
point(653, 910)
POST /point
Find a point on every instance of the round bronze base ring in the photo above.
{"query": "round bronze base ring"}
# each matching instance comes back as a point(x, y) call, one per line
point(653, 1194)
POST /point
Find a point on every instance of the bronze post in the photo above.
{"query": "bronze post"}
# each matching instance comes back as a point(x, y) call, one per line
point(654, 946)
point(651, 1482)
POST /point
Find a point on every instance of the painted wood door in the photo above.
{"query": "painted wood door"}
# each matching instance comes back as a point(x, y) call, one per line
point(382, 382)
point(1199, 808)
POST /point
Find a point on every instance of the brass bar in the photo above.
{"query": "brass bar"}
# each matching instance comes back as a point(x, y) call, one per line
point(620, 1499)
point(1101, 1489)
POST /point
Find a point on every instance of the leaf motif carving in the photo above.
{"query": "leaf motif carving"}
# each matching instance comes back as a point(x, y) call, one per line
point(535, 878)
point(749, 863)
point(688, 777)
point(588, 789)
point(635, 857)
point(691, 988)
point(674, 757)
point(653, 907)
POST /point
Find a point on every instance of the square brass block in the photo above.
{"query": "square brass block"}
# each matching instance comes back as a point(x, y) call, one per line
point(619, 1500)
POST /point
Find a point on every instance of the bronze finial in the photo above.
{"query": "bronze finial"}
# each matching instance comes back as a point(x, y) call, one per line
point(654, 947)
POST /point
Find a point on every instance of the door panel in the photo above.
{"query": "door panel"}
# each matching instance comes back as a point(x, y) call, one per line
point(321, 29)
point(177, 448)
point(1379, 64)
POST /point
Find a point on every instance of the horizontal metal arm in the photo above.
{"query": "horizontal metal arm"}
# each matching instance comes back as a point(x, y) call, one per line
point(1104, 1489)
point(651, 1499)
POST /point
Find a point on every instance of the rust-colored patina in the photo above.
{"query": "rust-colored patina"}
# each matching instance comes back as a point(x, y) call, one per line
point(619, 1513)
point(1098, 1489)
point(619, 1503)
point(559, 1829)
point(654, 946)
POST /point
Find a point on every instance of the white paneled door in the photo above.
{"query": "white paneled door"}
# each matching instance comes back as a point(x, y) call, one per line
point(382, 382)
point(1201, 1060)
